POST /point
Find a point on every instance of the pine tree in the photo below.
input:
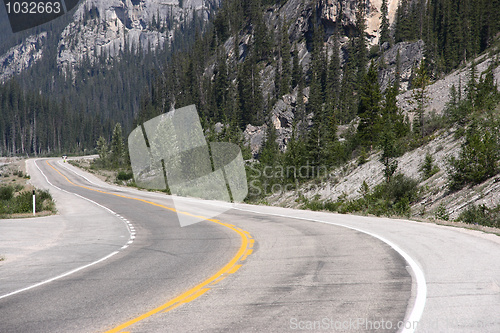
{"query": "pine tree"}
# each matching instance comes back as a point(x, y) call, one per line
point(478, 158)
point(250, 93)
point(392, 118)
point(397, 74)
point(296, 67)
point(384, 24)
point(295, 154)
point(348, 102)
point(300, 111)
point(360, 43)
point(402, 26)
point(102, 148)
point(262, 42)
point(117, 146)
point(285, 62)
point(221, 85)
point(318, 72)
point(389, 152)
point(419, 96)
point(334, 71)
point(319, 139)
point(270, 150)
point(369, 108)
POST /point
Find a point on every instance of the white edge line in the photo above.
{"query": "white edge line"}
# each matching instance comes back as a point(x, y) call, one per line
point(130, 241)
point(59, 276)
point(418, 306)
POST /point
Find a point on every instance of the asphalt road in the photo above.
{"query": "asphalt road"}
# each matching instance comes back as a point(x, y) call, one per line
point(122, 263)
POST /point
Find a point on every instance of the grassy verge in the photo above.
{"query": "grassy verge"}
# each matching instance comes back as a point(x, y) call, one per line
point(118, 176)
point(18, 200)
point(16, 195)
point(394, 199)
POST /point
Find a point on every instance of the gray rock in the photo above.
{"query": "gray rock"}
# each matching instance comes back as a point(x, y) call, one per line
point(254, 137)
point(120, 24)
point(438, 92)
point(218, 127)
point(22, 56)
point(410, 54)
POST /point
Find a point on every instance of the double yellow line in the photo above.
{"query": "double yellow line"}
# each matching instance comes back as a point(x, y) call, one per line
point(231, 267)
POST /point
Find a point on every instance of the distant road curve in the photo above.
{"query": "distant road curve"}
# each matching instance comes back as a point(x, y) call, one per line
point(299, 270)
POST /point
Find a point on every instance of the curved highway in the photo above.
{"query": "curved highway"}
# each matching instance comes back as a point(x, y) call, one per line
point(115, 259)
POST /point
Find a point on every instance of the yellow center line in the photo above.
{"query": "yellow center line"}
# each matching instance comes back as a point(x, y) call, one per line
point(201, 288)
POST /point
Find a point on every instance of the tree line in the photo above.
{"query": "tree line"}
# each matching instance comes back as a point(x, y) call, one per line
point(31, 124)
point(454, 31)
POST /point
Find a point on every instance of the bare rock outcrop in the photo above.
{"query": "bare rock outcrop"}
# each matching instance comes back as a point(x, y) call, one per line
point(438, 92)
point(331, 9)
point(254, 137)
point(22, 56)
point(107, 27)
point(410, 56)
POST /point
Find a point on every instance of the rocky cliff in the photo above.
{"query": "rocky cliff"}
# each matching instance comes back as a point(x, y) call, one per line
point(298, 15)
point(22, 56)
point(105, 27)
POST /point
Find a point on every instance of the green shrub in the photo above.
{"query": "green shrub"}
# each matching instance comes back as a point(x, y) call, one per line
point(389, 198)
point(363, 157)
point(441, 213)
point(428, 168)
point(24, 203)
point(313, 205)
point(478, 158)
point(481, 215)
point(43, 195)
point(332, 206)
point(123, 175)
point(399, 188)
point(6, 192)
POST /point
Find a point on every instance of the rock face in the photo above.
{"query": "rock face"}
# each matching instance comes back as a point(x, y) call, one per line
point(281, 118)
point(299, 14)
point(254, 137)
point(438, 92)
point(22, 56)
point(331, 9)
point(410, 56)
point(105, 27)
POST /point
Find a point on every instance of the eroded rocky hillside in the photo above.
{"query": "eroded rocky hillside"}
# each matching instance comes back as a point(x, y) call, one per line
point(105, 28)
point(346, 182)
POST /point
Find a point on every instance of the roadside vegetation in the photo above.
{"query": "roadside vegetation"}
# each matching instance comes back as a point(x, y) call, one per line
point(391, 198)
point(475, 114)
point(481, 215)
point(17, 200)
point(16, 196)
point(113, 163)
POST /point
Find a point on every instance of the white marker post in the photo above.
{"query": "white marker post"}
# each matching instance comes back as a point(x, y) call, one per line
point(34, 203)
